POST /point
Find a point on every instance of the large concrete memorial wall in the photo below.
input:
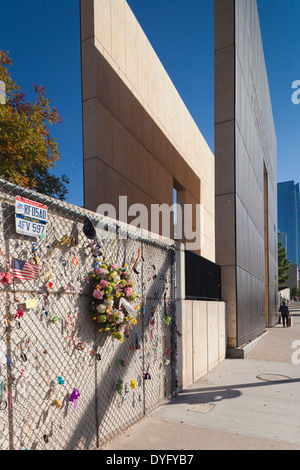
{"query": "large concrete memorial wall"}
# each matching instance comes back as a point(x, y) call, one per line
point(246, 172)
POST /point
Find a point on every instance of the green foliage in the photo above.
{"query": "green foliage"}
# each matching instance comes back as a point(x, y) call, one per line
point(27, 152)
point(295, 291)
point(283, 265)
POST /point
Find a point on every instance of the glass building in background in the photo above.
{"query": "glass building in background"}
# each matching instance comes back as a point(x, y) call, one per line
point(289, 218)
point(282, 238)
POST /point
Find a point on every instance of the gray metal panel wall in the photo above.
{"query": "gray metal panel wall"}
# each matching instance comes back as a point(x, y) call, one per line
point(245, 142)
point(255, 146)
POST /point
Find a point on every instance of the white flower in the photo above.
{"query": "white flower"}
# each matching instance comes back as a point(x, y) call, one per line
point(101, 308)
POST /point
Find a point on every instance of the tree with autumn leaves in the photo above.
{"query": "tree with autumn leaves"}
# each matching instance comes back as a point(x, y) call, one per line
point(27, 151)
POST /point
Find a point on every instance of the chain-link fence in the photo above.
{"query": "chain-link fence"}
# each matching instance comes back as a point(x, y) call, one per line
point(63, 384)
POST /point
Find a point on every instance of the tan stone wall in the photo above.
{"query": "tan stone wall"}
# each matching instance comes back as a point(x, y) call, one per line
point(202, 324)
point(203, 342)
point(139, 138)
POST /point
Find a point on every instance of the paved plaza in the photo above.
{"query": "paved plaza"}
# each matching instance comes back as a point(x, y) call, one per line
point(242, 404)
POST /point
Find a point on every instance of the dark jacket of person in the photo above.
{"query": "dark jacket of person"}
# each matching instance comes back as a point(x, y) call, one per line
point(284, 310)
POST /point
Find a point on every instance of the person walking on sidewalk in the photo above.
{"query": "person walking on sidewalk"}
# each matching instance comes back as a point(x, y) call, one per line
point(284, 311)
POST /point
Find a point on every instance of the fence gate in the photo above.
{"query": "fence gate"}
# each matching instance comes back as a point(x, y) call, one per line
point(63, 384)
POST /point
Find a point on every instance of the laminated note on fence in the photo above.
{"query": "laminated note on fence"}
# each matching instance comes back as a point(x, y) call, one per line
point(31, 303)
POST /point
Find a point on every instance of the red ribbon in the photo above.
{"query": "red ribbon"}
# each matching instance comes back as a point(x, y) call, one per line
point(19, 313)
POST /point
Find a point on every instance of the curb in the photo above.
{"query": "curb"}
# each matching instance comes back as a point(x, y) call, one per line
point(242, 351)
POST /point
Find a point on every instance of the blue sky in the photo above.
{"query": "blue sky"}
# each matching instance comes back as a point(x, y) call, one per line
point(43, 39)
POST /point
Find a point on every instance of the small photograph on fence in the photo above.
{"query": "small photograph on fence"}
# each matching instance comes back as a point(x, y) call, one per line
point(87, 326)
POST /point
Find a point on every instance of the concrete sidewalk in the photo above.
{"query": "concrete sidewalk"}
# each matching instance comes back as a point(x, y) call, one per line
point(243, 404)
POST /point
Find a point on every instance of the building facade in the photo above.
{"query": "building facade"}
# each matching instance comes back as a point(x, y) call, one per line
point(139, 139)
point(246, 173)
point(141, 142)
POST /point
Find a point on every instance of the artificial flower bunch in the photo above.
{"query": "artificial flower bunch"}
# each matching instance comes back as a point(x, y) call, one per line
point(110, 283)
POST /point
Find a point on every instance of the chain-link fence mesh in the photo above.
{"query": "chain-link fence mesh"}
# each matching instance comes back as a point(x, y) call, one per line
point(50, 347)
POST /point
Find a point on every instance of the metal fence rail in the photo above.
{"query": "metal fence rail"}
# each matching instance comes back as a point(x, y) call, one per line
point(50, 346)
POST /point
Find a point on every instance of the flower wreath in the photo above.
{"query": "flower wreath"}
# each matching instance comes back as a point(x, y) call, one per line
point(112, 299)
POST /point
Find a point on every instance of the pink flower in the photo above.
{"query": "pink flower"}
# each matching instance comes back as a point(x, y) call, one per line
point(5, 279)
point(100, 271)
point(9, 277)
point(98, 294)
point(103, 283)
point(128, 291)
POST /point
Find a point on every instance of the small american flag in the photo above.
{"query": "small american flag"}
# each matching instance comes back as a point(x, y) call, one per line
point(25, 270)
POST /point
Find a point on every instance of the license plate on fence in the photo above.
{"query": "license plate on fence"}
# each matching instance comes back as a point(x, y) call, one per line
point(31, 218)
point(27, 227)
